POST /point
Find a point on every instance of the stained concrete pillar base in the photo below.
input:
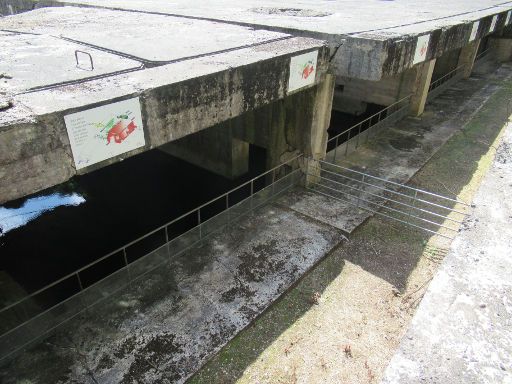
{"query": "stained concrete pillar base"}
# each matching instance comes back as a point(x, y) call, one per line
point(417, 82)
point(315, 143)
point(467, 57)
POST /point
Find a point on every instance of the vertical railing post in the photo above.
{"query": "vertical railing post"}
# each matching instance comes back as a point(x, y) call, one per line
point(227, 208)
point(335, 150)
point(273, 181)
point(360, 191)
point(252, 193)
point(413, 205)
point(199, 223)
point(359, 133)
point(125, 257)
point(346, 142)
point(79, 282)
point(167, 242)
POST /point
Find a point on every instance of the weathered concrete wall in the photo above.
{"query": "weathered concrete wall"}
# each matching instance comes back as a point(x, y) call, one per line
point(372, 59)
point(35, 150)
point(382, 92)
point(467, 57)
point(501, 48)
point(421, 77)
point(345, 104)
point(214, 149)
point(364, 45)
point(293, 125)
point(446, 63)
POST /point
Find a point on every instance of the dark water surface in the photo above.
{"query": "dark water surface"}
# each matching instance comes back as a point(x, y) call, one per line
point(56, 231)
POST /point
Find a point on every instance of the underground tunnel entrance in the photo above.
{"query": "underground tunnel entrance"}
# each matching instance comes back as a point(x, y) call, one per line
point(50, 234)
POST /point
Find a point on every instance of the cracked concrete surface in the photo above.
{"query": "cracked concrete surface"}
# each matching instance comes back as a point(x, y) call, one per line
point(461, 332)
point(167, 323)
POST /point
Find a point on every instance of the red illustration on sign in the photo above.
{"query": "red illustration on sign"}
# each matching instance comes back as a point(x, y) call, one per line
point(307, 70)
point(120, 131)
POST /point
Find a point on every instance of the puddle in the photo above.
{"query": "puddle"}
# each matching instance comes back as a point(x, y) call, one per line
point(11, 218)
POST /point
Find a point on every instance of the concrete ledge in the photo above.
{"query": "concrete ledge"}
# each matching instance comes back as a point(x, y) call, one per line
point(177, 99)
point(365, 46)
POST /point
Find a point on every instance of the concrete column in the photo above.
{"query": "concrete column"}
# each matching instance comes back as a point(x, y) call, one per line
point(214, 149)
point(293, 125)
point(315, 137)
point(501, 48)
point(467, 57)
point(416, 81)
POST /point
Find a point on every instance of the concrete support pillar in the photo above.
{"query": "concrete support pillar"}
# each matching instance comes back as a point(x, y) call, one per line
point(467, 57)
point(416, 82)
point(214, 149)
point(315, 137)
point(501, 48)
point(293, 125)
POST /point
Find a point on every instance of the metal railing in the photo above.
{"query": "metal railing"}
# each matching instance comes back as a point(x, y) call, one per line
point(439, 85)
point(415, 207)
point(25, 321)
point(482, 54)
point(453, 75)
point(360, 133)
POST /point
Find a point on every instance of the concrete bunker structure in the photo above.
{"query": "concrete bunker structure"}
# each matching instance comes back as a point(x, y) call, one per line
point(205, 82)
point(184, 85)
point(379, 51)
point(376, 53)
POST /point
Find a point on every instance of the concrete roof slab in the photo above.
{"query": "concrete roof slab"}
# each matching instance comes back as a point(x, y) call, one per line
point(143, 36)
point(341, 17)
point(371, 39)
point(28, 61)
point(174, 100)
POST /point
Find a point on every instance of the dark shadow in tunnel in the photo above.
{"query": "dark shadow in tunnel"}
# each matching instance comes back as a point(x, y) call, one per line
point(123, 201)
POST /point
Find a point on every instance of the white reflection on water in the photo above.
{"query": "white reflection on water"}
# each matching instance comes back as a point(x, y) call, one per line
point(11, 218)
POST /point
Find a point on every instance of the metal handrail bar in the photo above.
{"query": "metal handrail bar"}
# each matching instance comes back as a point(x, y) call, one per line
point(441, 79)
point(359, 198)
point(397, 184)
point(370, 118)
point(106, 277)
point(482, 54)
point(396, 192)
point(382, 214)
point(164, 226)
point(394, 201)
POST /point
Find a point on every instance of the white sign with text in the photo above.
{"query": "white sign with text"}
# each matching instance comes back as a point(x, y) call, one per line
point(474, 31)
point(493, 23)
point(420, 54)
point(104, 132)
point(302, 70)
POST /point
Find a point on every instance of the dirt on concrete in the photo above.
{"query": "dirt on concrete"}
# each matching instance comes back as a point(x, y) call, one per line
point(343, 321)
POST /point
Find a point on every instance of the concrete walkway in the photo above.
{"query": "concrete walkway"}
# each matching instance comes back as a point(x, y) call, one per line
point(462, 331)
point(398, 152)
